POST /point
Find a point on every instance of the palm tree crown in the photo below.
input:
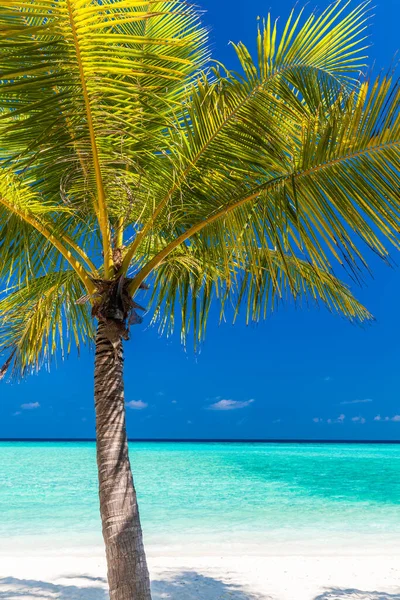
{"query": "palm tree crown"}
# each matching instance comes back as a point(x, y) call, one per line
point(128, 155)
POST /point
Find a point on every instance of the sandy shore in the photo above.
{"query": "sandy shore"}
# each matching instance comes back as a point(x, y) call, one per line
point(335, 577)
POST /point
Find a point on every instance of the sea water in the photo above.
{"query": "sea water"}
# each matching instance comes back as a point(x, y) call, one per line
point(207, 497)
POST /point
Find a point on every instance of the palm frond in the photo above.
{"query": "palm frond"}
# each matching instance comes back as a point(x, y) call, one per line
point(332, 44)
point(336, 179)
point(189, 280)
point(30, 226)
point(275, 279)
point(78, 77)
point(345, 179)
point(307, 67)
point(42, 319)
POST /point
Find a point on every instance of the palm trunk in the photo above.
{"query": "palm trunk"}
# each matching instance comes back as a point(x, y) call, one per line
point(128, 576)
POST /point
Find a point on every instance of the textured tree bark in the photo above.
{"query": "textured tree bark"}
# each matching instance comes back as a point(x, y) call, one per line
point(128, 576)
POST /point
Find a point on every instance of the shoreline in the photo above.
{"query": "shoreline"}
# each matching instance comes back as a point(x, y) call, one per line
point(346, 544)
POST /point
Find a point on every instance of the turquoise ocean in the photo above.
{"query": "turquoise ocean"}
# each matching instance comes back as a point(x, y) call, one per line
point(207, 497)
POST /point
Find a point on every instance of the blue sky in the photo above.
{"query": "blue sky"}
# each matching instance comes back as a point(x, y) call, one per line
point(301, 374)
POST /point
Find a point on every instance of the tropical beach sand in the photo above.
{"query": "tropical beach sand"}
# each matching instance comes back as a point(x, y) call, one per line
point(232, 577)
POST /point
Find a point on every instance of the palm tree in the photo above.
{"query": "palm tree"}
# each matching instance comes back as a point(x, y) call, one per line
point(130, 161)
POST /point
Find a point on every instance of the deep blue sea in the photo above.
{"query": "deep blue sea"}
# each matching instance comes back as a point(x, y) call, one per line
point(273, 497)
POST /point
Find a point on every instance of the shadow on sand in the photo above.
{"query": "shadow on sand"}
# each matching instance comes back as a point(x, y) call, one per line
point(12, 588)
point(187, 585)
point(353, 594)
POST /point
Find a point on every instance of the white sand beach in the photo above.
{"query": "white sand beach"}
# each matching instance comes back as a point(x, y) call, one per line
point(230, 577)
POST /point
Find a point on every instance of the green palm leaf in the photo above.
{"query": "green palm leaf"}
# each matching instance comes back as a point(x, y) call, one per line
point(186, 284)
point(35, 234)
point(311, 65)
point(77, 78)
point(330, 174)
point(50, 323)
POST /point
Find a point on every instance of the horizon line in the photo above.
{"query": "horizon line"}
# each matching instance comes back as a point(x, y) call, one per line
point(214, 440)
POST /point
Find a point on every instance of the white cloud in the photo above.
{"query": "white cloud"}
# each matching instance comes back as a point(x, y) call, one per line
point(359, 420)
point(189, 422)
point(277, 421)
point(16, 413)
point(30, 405)
point(174, 401)
point(160, 394)
point(230, 404)
point(395, 419)
point(363, 401)
point(328, 378)
point(317, 420)
point(137, 404)
point(340, 419)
